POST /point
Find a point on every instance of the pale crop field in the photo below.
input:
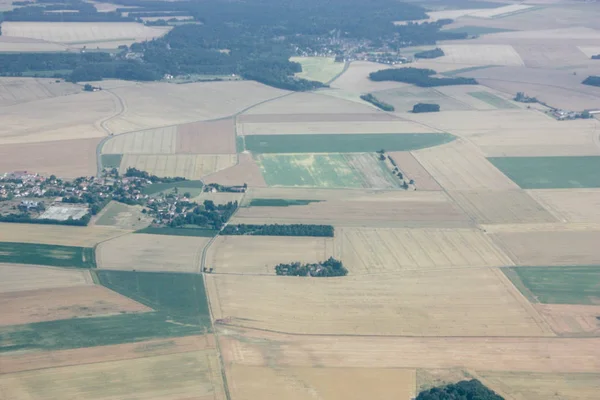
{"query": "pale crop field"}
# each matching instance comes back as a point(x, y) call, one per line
point(189, 166)
point(142, 252)
point(23, 90)
point(258, 255)
point(57, 234)
point(15, 278)
point(30, 306)
point(571, 205)
point(321, 69)
point(152, 141)
point(479, 302)
point(291, 383)
point(571, 319)
point(480, 54)
point(332, 127)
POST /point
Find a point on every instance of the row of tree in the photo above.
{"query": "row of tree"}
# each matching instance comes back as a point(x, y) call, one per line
point(328, 268)
point(418, 76)
point(377, 103)
point(279, 230)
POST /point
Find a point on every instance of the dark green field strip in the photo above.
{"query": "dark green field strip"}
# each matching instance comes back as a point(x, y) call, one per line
point(551, 172)
point(181, 185)
point(344, 143)
point(47, 254)
point(178, 231)
point(180, 297)
point(111, 160)
point(280, 202)
point(558, 285)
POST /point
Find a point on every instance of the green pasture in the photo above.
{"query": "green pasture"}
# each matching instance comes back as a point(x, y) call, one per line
point(111, 160)
point(551, 172)
point(194, 187)
point(47, 254)
point(199, 232)
point(346, 143)
point(493, 100)
point(557, 285)
point(280, 202)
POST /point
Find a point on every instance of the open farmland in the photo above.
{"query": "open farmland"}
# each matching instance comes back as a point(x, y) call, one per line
point(258, 255)
point(57, 234)
point(479, 54)
point(123, 216)
point(30, 306)
point(551, 172)
point(23, 90)
point(321, 69)
point(47, 254)
point(18, 277)
point(331, 127)
point(268, 383)
point(189, 166)
point(141, 252)
point(479, 302)
point(570, 205)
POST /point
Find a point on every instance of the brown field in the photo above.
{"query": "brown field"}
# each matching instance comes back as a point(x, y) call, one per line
point(189, 166)
point(412, 169)
point(26, 307)
point(191, 375)
point(380, 251)
point(349, 127)
point(142, 252)
point(551, 247)
point(460, 166)
point(19, 44)
point(153, 105)
point(539, 386)
point(505, 207)
point(571, 205)
point(360, 209)
point(22, 90)
point(63, 158)
point(57, 234)
point(245, 171)
point(18, 277)
point(258, 255)
point(565, 355)
point(274, 383)
point(311, 103)
point(214, 137)
point(301, 118)
point(571, 320)
point(152, 141)
point(479, 302)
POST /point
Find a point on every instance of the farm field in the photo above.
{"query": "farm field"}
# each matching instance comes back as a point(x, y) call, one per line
point(23, 90)
point(321, 69)
point(258, 255)
point(479, 302)
point(19, 277)
point(122, 216)
point(57, 234)
point(570, 205)
point(46, 254)
point(189, 166)
point(142, 252)
point(551, 172)
point(331, 127)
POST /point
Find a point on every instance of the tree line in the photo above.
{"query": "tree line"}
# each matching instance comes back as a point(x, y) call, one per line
point(279, 230)
point(418, 76)
point(328, 268)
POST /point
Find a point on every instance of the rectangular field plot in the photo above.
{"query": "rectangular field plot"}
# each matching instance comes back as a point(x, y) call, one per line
point(15, 277)
point(152, 141)
point(505, 207)
point(493, 100)
point(188, 166)
point(290, 383)
point(190, 375)
point(551, 172)
point(558, 285)
point(373, 251)
point(351, 143)
point(46, 254)
point(479, 302)
point(550, 247)
point(259, 255)
point(142, 252)
point(570, 205)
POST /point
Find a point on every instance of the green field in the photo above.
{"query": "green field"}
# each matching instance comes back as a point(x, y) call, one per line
point(557, 285)
point(476, 30)
point(194, 187)
point(493, 100)
point(551, 172)
point(354, 143)
point(47, 254)
point(111, 160)
point(321, 69)
point(280, 202)
point(178, 231)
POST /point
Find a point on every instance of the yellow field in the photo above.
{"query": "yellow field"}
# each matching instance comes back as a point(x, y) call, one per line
point(321, 69)
point(190, 166)
point(571, 205)
point(15, 278)
point(349, 127)
point(143, 252)
point(153, 141)
point(478, 302)
point(260, 254)
point(192, 375)
point(57, 234)
point(265, 383)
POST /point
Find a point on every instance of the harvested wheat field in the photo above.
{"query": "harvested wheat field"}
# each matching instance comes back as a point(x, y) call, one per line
point(141, 252)
point(258, 255)
point(170, 377)
point(412, 169)
point(82, 236)
point(23, 90)
point(501, 207)
point(413, 303)
point(16, 278)
point(310, 103)
point(572, 205)
point(497, 354)
point(275, 383)
point(189, 166)
point(351, 127)
point(152, 141)
point(460, 166)
point(63, 158)
point(159, 104)
point(550, 247)
point(210, 137)
point(360, 209)
point(377, 251)
point(539, 386)
point(570, 319)
point(25, 307)
point(245, 171)
point(479, 54)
